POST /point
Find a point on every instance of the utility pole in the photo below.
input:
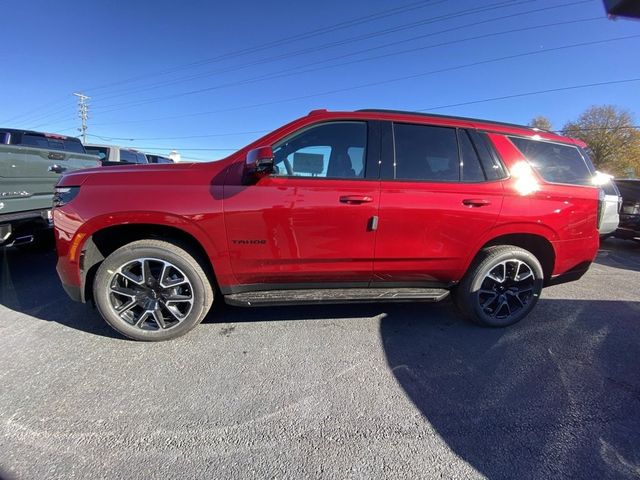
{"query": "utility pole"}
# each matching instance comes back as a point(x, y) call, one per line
point(83, 113)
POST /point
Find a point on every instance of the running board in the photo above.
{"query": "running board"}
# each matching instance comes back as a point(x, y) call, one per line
point(335, 295)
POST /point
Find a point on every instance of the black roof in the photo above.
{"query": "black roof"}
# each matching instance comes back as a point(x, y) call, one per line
point(33, 132)
point(451, 117)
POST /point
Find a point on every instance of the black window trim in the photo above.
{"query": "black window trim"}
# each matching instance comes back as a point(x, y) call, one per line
point(390, 150)
point(459, 132)
point(373, 135)
point(482, 136)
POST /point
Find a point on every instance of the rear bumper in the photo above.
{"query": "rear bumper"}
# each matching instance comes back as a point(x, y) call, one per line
point(573, 258)
point(572, 275)
point(22, 224)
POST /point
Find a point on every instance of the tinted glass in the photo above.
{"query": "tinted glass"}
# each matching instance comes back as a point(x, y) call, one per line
point(555, 162)
point(128, 156)
point(488, 156)
point(470, 162)
point(101, 152)
point(56, 144)
point(141, 158)
point(331, 150)
point(610, 188)
point(426, 153)
point(73, 146)
point(35, 141)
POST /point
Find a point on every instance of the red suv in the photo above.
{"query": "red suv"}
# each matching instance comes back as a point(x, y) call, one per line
point(366, 206)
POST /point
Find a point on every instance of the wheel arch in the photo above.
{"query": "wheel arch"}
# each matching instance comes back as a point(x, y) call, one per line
point(539, 245)
point(104, 241)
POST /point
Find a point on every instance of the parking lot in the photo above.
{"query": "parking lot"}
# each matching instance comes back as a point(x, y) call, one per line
point(358, 391)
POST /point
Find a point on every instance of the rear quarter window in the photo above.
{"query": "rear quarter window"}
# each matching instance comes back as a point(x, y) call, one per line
point(128, 156)
point(73, 146)
point(35, 141)
point(555, 162)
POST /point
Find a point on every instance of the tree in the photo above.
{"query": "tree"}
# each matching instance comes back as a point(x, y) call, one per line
point(612, 139)
point(541, 122)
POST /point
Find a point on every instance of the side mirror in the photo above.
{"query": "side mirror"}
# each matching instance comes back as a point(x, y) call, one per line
point(259, 163)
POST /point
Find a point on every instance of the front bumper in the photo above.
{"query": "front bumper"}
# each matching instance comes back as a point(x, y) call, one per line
point(74, 292)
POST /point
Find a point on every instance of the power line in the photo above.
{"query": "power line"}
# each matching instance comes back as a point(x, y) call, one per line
point(351, 40)
point(588, 129)
point(297, 71)
point(264, 46)
point(178, 138)
point(492, 99)
point(22, 117)
point(55, 113)
point(431, 20)
point(383, 82)
point(526, 94)
point(275, 43)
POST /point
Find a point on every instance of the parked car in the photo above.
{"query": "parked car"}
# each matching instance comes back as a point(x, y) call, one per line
point(30, 165)
point(612, 207)
point(630, 213)
point(363, 206)
point(111, 155)
point(158, 159)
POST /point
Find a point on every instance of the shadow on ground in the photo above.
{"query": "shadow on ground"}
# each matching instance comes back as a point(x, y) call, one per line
point(29, 284)
point(616, 253)
point(557, 395)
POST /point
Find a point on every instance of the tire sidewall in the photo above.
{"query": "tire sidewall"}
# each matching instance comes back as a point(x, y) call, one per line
point(485, 267)
point(129, 253)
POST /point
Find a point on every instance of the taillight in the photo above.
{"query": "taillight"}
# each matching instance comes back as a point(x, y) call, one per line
point(63, 195)
point(601, 199)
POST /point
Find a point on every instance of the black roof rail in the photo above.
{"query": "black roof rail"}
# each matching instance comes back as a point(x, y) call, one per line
point(452, 117)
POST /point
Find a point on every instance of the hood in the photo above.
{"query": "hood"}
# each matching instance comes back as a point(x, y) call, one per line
point(137, 174)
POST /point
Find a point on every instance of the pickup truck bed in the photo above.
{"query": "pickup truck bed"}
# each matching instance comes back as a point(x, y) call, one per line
point(27, 177)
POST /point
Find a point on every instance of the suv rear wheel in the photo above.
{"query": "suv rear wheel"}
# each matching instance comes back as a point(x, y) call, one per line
point(152, 290)
point(501, 287)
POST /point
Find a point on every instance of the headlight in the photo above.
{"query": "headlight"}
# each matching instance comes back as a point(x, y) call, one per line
point(63, 195)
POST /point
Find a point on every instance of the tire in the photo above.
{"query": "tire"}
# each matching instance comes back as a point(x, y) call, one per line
point(481, 297)
point(152, 290)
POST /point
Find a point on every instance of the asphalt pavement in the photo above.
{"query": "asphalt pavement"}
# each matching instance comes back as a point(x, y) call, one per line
point(357, 391)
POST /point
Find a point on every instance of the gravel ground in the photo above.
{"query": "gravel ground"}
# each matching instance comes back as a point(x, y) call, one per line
point(359, 391)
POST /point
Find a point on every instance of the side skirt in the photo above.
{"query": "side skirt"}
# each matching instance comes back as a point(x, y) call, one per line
point(334, 295)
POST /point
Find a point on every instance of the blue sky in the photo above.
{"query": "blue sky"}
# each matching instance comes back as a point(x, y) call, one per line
point(223, 72)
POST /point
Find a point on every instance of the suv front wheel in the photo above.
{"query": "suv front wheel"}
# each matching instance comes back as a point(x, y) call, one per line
point(152, 290)
point(501, 287)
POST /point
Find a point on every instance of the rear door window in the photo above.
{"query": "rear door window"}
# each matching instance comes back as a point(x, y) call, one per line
point(555, 162)
point(424, 152)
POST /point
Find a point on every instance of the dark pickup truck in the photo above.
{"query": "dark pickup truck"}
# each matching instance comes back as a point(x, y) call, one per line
point(629, 227)
point(30, 165)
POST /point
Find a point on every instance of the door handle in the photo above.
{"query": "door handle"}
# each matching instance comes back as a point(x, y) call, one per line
point(356, 199)
point(476, 202)
point(55, 168)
